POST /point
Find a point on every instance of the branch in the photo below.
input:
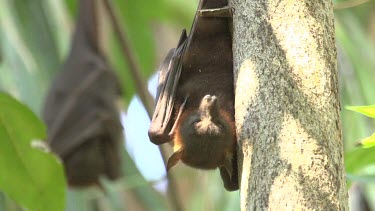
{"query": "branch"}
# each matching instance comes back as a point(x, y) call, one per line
point(349, 4)
point(143, 94)
point(130, 57)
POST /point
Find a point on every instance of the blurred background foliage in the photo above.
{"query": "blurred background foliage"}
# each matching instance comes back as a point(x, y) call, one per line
point(34, 40)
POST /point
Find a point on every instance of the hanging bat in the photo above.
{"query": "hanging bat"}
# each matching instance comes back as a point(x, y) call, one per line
point(83, 124)
point(195, 98)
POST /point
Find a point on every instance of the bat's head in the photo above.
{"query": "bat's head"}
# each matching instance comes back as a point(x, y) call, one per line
point(204, 138)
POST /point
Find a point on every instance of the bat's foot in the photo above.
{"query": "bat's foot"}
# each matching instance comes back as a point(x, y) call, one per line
point(224, 12)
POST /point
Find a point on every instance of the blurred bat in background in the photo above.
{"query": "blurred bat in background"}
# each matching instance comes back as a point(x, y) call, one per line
point(83, 124)
point(195, 99)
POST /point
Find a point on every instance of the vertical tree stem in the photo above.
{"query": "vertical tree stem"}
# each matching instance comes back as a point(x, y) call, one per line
point(287, 106)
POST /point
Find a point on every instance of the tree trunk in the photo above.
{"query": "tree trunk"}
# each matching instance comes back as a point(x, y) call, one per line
point(287, 106)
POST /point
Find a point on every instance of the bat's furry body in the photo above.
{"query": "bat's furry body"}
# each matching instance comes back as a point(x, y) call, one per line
point(195, 101)
point(83, 124)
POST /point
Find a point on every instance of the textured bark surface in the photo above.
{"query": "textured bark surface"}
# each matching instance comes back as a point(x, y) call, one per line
point(287, 106)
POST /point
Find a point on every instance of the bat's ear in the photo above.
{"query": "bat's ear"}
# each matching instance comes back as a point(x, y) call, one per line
point(173, 160)
point(229, 173)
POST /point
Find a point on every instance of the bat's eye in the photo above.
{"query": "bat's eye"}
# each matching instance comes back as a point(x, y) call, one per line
point(196, 122)
point(221, 125)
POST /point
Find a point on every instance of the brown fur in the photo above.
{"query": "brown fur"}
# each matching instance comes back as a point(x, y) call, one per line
point(201, 65)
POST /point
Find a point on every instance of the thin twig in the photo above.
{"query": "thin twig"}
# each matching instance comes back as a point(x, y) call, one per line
point(134, 68)
point(143, 94)
point(172, 187)
point(349, 4)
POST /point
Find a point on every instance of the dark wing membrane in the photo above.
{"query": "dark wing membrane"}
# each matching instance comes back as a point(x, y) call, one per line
point(163, 73)
point(79, 104)
point(170, 72)
point(83, 123)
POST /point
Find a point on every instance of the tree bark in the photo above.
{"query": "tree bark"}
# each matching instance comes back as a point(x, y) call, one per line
point(287, 106)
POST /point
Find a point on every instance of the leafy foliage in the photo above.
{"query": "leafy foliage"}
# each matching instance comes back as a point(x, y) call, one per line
point(368, 111)
point(34, 42)
point(356, 71)
point(359, 158)
point(365, 110)
point(32, 177)
point(369, 141)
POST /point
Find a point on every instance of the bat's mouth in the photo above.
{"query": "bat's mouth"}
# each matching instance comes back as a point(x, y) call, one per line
point(209, 128)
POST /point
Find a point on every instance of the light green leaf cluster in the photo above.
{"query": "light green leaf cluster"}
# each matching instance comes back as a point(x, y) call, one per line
point(368, 111)
point(365, 110)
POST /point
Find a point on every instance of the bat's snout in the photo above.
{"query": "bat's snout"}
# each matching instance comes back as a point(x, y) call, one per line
point(208, 104)
point(209, 107)
point(209, 99)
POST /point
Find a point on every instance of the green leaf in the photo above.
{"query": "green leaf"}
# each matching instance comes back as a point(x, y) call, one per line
point(365, 110)
point(357, 159)
point(32, 177)
point(369, 141)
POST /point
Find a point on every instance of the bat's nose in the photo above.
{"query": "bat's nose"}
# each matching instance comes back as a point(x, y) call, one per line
point(210, 98)
point(209, 105)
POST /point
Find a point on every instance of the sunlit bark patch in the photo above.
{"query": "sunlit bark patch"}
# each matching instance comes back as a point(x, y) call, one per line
point(246, 168)
point(284, 184)
point(246, 90)
point(307, 159)
point(302, 38)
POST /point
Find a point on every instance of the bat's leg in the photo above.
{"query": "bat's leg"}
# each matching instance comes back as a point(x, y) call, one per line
point(178, 117)
point(224, 12)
